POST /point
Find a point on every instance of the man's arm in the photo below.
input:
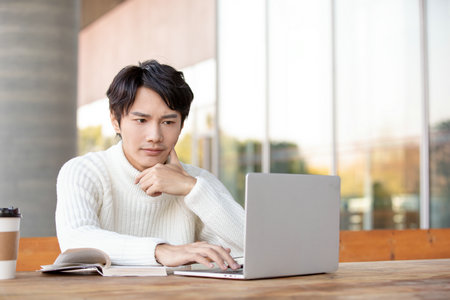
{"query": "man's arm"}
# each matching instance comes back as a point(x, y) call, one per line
point(222, 218)
point(171, 178)
point(80, 190)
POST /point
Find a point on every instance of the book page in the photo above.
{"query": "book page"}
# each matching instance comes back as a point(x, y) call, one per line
point(72, 268)
point(135, 271)
point(83, 256)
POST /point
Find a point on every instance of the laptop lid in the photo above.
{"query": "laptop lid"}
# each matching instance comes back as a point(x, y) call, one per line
point(292, 224)
point(291, 227)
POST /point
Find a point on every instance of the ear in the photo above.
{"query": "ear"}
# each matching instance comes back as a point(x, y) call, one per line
point(115, 123)
point(182, 124)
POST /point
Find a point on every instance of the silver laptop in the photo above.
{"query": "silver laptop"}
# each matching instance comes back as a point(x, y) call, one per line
point(291, 227)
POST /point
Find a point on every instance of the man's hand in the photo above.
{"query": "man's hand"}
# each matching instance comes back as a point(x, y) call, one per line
point(200, 252)
point(169, 178)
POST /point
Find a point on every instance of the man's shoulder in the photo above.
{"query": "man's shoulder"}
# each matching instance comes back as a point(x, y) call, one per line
point(196, 171)
point(91, 161)
point(87, 158)
point(191, 169)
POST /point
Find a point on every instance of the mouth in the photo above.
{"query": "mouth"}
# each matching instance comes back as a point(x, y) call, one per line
point(152, 151)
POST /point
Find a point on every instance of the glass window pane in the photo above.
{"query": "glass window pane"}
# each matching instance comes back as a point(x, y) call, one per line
point(438, 21)
point(241, 56)
point(95, 132)
point(300, 86)
point(194, 143)
point(378, 112)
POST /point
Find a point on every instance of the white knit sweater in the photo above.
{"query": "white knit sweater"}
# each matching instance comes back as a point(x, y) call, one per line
point(100, 206)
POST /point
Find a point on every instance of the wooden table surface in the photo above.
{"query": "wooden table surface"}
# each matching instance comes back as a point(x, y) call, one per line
point(412, 279)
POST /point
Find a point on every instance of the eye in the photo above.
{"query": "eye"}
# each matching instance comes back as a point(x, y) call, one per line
point(140, 120)
point(168, 122)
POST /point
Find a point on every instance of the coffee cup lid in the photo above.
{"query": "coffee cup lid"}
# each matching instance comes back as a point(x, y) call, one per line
point(10, 212)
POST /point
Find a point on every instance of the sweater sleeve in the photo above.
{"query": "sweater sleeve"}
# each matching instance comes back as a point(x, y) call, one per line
point(221, 216)
point(80, 189)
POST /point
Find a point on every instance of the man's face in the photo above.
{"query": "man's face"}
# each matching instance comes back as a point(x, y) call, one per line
point(149, 131)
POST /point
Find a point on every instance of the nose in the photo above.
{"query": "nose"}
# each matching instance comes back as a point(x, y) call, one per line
point(153, 133)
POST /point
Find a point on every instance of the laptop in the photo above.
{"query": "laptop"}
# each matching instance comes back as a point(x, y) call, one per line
point(291, 227)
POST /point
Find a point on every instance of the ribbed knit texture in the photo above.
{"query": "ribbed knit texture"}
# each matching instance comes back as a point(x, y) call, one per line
point(100, 206)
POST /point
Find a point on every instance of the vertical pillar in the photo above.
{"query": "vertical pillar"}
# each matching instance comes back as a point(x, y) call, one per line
point(38, 79)
point(425, 137)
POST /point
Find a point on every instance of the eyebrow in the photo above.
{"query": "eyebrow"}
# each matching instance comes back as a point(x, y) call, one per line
point(139, 114)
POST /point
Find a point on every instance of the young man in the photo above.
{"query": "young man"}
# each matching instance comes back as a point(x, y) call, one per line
point(136, 201)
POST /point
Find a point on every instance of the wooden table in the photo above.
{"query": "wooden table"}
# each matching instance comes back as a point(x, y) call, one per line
point(413, 279)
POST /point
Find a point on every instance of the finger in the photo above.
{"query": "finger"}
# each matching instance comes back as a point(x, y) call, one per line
point(153, 191)
point(145, 172)
point(139, 177)
point(173, 158)
point(214, 256)
point(221, 256)
point(225, 256)
point(144, 180)
point(153, 194)
point(203, 260)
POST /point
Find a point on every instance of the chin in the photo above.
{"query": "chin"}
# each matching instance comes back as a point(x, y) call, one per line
point(151, 163)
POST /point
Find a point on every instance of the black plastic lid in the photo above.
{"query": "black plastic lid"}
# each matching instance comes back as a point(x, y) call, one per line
point(10, 212)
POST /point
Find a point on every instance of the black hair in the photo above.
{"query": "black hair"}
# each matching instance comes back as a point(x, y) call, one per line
point(167, 82)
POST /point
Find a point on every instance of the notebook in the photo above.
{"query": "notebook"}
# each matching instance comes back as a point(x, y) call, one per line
point(291, 227)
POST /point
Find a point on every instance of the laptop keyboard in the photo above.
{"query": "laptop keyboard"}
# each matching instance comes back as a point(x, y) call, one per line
point(227, 271)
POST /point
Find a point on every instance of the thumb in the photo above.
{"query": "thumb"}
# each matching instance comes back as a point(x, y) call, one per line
point(173, 158)
point(174, 161)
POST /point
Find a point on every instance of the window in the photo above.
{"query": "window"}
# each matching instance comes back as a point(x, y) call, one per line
point(300, 110)
point(241, 91)
point(284, 59)
point(438, 22)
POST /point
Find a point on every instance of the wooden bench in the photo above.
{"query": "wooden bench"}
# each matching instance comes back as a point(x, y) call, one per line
point(372, 245)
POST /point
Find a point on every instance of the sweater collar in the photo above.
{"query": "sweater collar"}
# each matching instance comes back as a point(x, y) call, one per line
point(119, 156)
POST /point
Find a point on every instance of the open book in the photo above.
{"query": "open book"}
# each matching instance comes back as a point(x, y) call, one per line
point(90, 260)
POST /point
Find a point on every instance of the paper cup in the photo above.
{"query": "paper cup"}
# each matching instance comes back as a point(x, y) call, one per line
point(9, 241)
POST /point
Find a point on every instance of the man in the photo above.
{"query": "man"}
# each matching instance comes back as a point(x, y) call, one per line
point(136, 201)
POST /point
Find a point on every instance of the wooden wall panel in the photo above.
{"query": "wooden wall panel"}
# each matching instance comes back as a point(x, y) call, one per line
point(355, 246)
point(373, 245)
point(422, 244)
point(376, 245)
point(36, 251)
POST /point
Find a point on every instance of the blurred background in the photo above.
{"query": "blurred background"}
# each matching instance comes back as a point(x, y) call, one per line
point(357, 88)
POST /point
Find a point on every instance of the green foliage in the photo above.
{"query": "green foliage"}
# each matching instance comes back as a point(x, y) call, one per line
point(443, 126)
point(381, 197)
point(241, 157)
point(91, 139)
point(285, 158)
point(440, 174)
point(184, 148)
